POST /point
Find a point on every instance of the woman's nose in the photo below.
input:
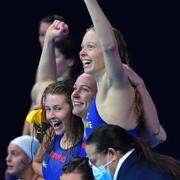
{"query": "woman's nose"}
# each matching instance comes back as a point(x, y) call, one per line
point(8, 157)
point(50, 114)
point(82, 53)
point(75, 93)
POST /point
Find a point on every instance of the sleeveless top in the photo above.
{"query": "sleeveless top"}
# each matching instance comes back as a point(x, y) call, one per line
point(93, 120)
point(55, 158)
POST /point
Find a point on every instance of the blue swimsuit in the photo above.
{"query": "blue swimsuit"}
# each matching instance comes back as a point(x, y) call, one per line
point(56, 158)
point(93, 120)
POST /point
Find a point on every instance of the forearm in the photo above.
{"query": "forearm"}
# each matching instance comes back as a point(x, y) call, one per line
point(151, 130)
point(101, 24)
point(26, 129)
point(37, 167)
point(47, 65)
point(155, 140)
point(151, 123)
point(108, 42)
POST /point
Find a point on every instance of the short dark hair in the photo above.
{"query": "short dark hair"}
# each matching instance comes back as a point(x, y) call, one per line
point(68, 47)
point(79, 165)
point(113, 136)
point(116, 138)
point(51, 17)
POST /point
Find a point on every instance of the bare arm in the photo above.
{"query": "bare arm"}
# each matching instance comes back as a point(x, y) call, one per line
point(46, 72)
point(153, 130)
point(106, 37)
point(47, 64)
point(37, 162)
point(28, 128)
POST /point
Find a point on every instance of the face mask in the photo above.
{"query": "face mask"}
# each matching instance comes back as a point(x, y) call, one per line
point(100, 173)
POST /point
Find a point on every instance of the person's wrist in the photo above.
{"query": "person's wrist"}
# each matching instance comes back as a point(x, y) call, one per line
point(49, 37)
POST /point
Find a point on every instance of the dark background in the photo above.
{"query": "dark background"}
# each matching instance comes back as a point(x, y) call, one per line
point(150, 29)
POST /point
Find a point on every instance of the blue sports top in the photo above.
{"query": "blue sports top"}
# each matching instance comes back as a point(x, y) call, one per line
point(93, 120)
point(55, 158)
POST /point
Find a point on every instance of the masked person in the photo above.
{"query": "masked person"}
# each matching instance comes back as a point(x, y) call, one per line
point(103, 54)
point(115, 154)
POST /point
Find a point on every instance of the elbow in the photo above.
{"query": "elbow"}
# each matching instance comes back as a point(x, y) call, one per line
point(161, 135)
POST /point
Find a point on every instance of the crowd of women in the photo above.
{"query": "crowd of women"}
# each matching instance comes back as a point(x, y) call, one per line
point(96, 122)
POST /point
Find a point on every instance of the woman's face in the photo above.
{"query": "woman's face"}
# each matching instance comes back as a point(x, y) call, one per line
point(16, 160)
point(95, 158)
point(63, 64)
point(42, 32)
point(91, 54)
point(58, 112)
point(84, 91)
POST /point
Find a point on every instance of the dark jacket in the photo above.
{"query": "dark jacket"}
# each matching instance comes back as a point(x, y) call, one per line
point(132, 169)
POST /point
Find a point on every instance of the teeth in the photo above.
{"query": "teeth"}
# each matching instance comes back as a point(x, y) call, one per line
point(55, 122)
point(77, 103)
point(86, 61)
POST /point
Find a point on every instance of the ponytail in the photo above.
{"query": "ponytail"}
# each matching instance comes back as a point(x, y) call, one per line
point(165, 163)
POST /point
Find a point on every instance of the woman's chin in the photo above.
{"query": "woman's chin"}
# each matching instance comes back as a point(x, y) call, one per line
point(59, 132)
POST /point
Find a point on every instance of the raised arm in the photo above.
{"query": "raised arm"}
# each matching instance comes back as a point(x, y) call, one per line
point(153, 131)
point(46, 72)
point(108, 42)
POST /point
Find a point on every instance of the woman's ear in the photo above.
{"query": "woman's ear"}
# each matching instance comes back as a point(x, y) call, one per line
point(111, 151)
point(114, 154)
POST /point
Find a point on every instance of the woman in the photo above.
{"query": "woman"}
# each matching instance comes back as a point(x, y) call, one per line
point(59, 60)
point(115, 154)
point(103, 54)
point(64, 138)
point(21, 152)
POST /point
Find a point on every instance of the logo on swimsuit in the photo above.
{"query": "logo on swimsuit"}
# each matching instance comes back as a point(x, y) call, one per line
point(58, 157)
point(88, 124)
point(44, 164)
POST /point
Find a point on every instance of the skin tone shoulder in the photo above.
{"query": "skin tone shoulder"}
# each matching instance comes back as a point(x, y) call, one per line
point(101, 59)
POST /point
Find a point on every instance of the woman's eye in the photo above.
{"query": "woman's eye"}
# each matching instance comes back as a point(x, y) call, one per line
point(14, 153)
point(85, 89)
point(58, 109)
point(90, 46)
